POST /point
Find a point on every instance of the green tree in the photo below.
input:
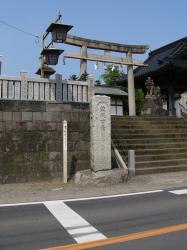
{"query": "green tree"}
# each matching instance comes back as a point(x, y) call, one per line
point(112, 73)
point(110, 77)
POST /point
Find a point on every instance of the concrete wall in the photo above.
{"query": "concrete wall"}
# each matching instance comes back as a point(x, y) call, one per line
point(31, 139)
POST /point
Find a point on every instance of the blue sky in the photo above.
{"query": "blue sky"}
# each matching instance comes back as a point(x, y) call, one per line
point(151, 22)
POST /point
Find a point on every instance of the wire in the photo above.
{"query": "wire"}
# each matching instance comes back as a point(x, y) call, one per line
point(20, 30)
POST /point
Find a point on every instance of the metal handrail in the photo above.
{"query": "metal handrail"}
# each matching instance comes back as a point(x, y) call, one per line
point(116, 145)
point(119, 159)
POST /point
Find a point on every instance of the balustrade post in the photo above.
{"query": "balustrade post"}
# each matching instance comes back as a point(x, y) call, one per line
point(24, 77)
point(58, 78)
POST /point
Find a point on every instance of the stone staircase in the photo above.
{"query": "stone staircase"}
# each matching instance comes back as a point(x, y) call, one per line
point(160, 143)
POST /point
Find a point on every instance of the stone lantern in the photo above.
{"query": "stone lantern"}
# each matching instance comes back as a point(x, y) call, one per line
point(47, 71)
point(59, 31)
point(51, 55)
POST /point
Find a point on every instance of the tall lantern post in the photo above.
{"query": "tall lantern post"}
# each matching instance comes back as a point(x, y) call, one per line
point(49, 55)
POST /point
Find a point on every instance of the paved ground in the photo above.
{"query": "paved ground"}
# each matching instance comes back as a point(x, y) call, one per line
point(142, 221)
point(38, 191)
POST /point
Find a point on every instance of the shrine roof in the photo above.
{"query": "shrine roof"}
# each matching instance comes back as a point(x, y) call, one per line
point(173, 54)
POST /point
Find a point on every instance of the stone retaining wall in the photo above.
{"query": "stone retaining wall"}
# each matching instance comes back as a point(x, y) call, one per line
point(31, 139)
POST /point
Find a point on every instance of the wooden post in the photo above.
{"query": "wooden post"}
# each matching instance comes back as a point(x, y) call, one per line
point(65, 176)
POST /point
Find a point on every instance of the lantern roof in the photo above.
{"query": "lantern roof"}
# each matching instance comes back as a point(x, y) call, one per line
point(47, 51)
point(54, 26)
point(47, 70)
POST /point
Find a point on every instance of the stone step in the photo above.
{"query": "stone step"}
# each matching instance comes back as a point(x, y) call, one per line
point(156, 152)
point(144, 118)
point(156, 122)
point(149, 126)
point(162, 169)
point(151, 135)
point(158, 145)
point(147, 131)
point(149, 140)
point(154, 157)
point(160, 163)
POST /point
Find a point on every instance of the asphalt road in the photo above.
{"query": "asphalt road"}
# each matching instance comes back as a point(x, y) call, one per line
point(59, 223)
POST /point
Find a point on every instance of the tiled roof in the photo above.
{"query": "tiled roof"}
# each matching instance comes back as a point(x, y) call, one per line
point(164, 56)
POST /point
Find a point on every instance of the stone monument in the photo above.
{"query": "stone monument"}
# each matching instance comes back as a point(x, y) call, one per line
point(101, 172)
point(100, 133)
point(153, 104)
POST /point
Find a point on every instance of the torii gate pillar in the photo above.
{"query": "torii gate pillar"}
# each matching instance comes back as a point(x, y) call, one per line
point(131, 90)
point(83, 62)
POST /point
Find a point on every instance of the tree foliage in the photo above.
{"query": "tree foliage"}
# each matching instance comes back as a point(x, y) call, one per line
point(110, 77)
point(112, 73)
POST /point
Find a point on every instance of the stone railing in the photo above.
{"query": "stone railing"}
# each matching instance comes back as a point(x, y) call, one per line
point(40, 89)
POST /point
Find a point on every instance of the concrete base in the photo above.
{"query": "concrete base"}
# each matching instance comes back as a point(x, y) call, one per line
point(101, 178)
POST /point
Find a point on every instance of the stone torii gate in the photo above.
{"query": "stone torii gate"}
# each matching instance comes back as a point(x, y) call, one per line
point(107, 47)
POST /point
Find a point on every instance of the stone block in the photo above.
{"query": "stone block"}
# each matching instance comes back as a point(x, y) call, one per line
point(52, 116)
point(101, 178)
point(55, 135)
point(7, 116)
point(71, 116)
point(10, 125)
point(55, 107)
point(30, 126)
point(83, 155)
point(26, 116)
point(35, 125)
point(73, 126)
point(55, 156)
point(85, 136)
point(59, 126)
point(71, 146)
point(73, 136)
point(56, 117)
point(51, 126)
point(37, 116)
point(2, 126)
point(16, 116)
point(82, 165)
point(82, 146)
point(21, 126)
point(32, 106)
point(67, 106)
point(84, 116)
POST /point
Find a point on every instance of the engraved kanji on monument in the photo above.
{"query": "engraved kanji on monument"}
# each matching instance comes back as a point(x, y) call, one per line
point(100, 133)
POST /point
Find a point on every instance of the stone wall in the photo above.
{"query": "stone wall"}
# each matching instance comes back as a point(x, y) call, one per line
point(31, 139)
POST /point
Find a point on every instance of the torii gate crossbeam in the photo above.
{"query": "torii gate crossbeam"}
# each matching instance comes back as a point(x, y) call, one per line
point(85, 43)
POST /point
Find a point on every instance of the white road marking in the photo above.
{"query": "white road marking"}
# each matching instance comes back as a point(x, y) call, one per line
point(82, 199)
point(113, 196)
point(179, 192)
point(75, 225)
